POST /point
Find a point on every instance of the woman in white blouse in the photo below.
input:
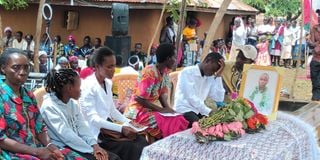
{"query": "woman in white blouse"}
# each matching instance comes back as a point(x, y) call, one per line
point(66, 125)
point(97, 105)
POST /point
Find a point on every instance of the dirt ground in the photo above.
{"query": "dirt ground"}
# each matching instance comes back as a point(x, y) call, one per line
point(296, 83)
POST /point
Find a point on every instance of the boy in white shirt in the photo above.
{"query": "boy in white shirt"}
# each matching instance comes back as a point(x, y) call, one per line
point(197, 83)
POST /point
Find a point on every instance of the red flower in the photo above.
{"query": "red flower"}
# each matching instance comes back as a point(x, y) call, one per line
point(262, 119)
point(251, 122)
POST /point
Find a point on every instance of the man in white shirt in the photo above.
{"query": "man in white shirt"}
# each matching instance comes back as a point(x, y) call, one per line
point(197, 83)
point(19, 42)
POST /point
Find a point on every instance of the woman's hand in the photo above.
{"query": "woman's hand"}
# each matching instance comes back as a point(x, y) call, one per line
point(55, 151)
point(99, 153)
point(138, 99)
point(45, 153)
point(129, 132)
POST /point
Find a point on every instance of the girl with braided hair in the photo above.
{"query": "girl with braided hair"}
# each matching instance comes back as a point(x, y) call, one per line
point(66, 125)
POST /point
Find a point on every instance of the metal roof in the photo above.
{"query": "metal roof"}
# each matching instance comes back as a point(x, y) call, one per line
point(235, 5)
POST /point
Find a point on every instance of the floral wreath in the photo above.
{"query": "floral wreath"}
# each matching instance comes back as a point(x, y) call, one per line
point(230, 122)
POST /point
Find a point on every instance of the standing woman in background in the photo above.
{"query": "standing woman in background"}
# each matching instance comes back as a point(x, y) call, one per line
point(238, 38)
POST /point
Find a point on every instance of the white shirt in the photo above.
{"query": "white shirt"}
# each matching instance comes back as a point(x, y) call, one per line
point(97, 106)
point(128, 70)
point(295, 31)
point(193, 89)
point(239, 36)
point(22, 45)
point(66, 125)
point(264, 28)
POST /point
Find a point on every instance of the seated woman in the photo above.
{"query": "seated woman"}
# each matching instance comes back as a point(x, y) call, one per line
point(60, 111)
point(22, 130)
point(153, 85)
point(99, 110)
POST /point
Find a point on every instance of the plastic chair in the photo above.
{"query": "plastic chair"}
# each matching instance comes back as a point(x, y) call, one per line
point(39, 93)
point(126, 85)
point(174, 79)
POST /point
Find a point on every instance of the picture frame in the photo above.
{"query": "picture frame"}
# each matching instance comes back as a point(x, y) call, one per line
point(261, 85)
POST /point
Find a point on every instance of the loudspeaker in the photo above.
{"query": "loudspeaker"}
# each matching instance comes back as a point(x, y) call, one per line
point(120, 45)
point(120, 19)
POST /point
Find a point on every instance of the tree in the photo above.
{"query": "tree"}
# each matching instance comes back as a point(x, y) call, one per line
point(291, 9)
point(13, 4)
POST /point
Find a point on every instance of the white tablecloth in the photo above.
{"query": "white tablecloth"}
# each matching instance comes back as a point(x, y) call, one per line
point(286, 138)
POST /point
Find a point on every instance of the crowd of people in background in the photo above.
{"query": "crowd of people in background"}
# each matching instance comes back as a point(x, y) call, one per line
point(79, 119)
point(68, 55)
point(276, 40)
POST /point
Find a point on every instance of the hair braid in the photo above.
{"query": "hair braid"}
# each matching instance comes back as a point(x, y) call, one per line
point(57, 79)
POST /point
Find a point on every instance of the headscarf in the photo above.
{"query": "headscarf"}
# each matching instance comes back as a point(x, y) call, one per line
point(133, 60)
point(73, 58)
point(62, 60)
point(7, 29)
point(239, 33)
point(71, 38)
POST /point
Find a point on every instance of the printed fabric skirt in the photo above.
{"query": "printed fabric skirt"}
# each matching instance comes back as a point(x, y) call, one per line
point(295, 52)
point(276, 51)
point(159, 126)
point(286, 52)
point(263, 59)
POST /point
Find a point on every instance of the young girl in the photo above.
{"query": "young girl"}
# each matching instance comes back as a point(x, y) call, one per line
point(263, 58)
point(60, 111)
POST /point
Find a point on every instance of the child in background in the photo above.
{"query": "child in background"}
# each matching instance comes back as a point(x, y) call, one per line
point(263, 58)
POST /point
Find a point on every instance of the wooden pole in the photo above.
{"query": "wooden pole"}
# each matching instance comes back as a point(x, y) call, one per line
point(156, 31)
point(299, 52)
point(301, 32)
point(214, 27)
point(181, 24)
point(55, 50)
point(38, 36)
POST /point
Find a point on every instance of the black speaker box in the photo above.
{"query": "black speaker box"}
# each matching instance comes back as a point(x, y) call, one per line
point(120, 19)
point(120, 45)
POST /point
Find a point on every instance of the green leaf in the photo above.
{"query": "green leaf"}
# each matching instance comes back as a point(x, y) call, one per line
point(231, 112)
point(248, 114)
point(244, 125)
point(227, 137)
point(239, 117)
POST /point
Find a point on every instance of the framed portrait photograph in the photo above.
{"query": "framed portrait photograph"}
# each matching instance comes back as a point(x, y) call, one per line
point(261, 85)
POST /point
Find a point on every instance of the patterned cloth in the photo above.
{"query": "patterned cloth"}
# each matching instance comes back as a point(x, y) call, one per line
point(20, 120)
point(70, 50)
point(59, 48)
point(286, 138)
point(151, 84)
point(263, 58)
